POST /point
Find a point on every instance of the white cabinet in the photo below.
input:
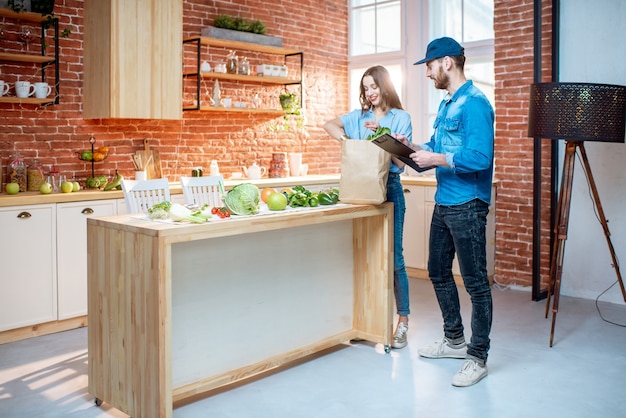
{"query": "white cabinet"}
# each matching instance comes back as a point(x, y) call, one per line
point(420, 202)
point(414, 238)
point(28, 293)
point(72, 253)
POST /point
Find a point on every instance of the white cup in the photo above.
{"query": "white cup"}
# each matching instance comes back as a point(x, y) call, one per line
point(24, 89)
point(4, 88)
point(227, 102)
point(42, 90)
point(304, 169)
point(295, 163)
point(141, 175)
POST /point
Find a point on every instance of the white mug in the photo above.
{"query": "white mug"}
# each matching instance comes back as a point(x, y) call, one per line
point(24, 89)
point(227, 102)
point(42, 90)
point(4, 88)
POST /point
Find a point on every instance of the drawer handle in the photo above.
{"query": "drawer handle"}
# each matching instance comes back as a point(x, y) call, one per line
point(24, 215)
point(406, 191)
point(87, 211)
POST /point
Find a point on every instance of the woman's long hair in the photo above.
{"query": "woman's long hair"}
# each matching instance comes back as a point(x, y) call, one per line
point(389, 97)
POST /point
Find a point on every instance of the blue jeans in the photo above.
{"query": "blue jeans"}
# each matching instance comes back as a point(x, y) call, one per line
point(461, 229)
point(395, 194)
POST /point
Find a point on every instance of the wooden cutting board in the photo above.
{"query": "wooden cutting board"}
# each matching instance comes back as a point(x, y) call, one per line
point(152, 160)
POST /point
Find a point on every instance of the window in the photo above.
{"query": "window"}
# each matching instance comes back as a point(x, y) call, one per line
point(380, 31)
point(375, 26)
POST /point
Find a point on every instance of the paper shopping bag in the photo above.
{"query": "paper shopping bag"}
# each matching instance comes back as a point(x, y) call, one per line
point(364, 172)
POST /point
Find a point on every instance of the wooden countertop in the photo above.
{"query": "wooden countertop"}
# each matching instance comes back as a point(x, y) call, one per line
point(36, 198)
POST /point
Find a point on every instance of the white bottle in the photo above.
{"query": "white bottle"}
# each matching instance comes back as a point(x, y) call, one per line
point(217, 95)
point(214, 170)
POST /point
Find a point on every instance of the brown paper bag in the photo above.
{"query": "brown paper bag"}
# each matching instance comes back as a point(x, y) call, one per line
point(364, 172)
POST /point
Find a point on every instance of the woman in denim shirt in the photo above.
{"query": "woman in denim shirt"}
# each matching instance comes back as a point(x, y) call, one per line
point(380, 106)
point(462, 149)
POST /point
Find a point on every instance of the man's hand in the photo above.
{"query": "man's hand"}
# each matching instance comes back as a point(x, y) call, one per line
point(429, 159)
point(405, 140)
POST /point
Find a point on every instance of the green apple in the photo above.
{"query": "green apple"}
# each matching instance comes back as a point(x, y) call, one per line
point(12, 188)
point(67, 187)
point(75, 186)
point(46, 188)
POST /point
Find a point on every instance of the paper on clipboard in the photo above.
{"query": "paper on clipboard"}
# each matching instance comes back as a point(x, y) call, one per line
point(399, 150)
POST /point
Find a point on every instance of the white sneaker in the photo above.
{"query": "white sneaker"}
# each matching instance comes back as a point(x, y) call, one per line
point(399, 339)
point(470, 373)
point(443, 349)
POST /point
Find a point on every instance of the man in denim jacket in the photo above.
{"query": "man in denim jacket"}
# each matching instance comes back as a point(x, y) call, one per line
point(462, 149)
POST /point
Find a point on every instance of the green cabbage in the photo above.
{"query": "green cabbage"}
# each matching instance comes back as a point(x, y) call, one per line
point(243, 199)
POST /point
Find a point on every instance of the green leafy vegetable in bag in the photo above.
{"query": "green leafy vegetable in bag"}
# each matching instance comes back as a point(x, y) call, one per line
point(379, 132)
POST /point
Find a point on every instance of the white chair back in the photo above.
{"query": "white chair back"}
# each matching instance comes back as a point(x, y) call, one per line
point(202, 190)
point(141, 195)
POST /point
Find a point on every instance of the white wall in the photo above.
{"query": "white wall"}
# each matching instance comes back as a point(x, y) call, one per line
point(592, 50)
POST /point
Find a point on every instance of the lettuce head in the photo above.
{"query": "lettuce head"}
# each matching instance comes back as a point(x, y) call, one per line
point(243, 199)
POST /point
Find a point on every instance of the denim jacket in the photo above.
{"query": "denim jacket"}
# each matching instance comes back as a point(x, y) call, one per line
point(464, 132)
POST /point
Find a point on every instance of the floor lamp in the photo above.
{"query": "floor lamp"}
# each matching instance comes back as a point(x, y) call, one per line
point(575, 112)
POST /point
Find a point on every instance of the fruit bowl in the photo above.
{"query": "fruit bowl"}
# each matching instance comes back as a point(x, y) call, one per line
point(96, 155)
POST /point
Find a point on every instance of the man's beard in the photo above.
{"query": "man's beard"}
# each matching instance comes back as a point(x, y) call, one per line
point(442, 81)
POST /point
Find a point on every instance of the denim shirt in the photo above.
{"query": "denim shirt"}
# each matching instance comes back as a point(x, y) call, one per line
point(397, 120)
point(464, 132)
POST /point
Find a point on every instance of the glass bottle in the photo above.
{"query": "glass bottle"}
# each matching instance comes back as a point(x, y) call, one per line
point(34, 175)
point(244, 66)
point(217, 94)
point(232, 63)
point(17, 171)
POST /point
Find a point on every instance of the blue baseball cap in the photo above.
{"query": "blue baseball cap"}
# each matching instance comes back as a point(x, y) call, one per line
point(441, 47)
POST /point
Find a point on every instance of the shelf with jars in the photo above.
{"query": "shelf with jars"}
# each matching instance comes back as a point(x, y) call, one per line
point(26, 36)
point(234, 71)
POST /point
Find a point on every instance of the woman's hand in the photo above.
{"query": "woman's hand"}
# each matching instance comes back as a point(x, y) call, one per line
point(371, 125)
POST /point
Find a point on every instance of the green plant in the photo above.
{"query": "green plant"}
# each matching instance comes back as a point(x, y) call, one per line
point(294, 114)
point(240, 24)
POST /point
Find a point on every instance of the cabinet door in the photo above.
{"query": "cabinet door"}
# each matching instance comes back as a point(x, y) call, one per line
point(132, 59)
point(28, 266)
point(414, 239)
point(72, 253)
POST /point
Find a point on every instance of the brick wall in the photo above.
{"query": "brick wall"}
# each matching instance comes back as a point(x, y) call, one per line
point(513, 149)
point(53, 134)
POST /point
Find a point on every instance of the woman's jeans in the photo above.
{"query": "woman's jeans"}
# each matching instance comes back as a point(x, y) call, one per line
point(395, 194)
point(461, 229)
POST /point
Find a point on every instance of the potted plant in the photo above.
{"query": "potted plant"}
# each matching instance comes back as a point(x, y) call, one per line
point(294, 114)
point(240, 29)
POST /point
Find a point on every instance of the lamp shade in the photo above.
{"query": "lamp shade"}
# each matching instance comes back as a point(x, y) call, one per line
point(577, 111)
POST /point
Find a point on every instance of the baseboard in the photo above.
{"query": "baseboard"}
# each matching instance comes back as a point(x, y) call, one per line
point(42, 329)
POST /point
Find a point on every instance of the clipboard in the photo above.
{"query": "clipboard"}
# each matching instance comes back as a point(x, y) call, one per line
point(399, 150)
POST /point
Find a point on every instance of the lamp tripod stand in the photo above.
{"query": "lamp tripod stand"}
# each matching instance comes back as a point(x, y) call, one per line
point(562, 221)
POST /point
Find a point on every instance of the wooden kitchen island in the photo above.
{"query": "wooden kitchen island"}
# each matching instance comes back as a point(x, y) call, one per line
point(176, 310)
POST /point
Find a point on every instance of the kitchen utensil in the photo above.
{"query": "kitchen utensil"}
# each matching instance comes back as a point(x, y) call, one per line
point(254, 172)
point(151, 161)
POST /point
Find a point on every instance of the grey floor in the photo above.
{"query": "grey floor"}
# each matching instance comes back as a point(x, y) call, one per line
point(582, 375)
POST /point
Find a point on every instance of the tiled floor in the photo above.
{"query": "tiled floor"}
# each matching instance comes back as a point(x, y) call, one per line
point(582, 375)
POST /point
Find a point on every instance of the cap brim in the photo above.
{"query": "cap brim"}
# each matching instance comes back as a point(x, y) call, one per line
point(421, 61)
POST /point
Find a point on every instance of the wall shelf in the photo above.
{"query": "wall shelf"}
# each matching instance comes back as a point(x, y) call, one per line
point(199, 41)
point(42, 59)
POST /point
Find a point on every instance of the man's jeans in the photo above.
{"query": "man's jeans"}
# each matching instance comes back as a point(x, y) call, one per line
point(461, 229)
